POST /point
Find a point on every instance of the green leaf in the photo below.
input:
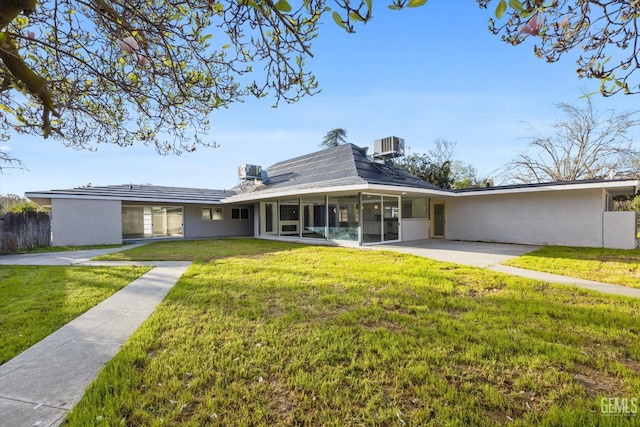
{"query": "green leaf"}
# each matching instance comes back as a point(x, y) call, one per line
point(416, 3)
point(501, 9)
point(283, 6)
point(338, 19)
point(515, 4)
point(369, 4)
point(354, 16)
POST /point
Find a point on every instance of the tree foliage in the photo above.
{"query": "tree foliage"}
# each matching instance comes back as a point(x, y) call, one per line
point(422, 166)
point(587, 145)
point(605, 33)
point(433, 167)
point(466, 176)
point(150, 71)
point(334, 137)
point(16, 204)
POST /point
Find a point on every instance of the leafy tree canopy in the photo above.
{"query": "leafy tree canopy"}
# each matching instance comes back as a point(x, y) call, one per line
point(150, 71)
point(334, 137)
point(604, 32)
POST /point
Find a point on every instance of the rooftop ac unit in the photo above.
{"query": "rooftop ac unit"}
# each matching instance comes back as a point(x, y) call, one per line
point(388, 148)
point(249, 172)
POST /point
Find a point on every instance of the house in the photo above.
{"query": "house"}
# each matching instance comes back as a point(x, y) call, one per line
point(346, 196)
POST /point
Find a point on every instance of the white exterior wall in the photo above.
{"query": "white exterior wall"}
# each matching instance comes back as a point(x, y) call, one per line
point(571, 218)
point(77, 222)
point(414, 229)
point(620, 230)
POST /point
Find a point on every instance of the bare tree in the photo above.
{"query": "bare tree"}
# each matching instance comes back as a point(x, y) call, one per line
point(587, 145)
point(7, 161)
point(443, 151)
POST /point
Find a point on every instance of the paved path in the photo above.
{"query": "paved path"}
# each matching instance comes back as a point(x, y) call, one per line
point(40, 385)
point(491, 255)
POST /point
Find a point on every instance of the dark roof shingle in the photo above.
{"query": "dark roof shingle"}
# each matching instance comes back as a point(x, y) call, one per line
point(342, 165)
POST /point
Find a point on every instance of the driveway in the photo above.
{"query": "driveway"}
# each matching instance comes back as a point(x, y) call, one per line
point(477, 254)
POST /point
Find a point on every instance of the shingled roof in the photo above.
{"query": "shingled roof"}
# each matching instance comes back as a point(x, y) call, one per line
point(345, 164)
point(140, 193)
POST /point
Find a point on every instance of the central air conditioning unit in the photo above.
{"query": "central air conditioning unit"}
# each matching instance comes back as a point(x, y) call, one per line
point(250, 172)
point(388, 148)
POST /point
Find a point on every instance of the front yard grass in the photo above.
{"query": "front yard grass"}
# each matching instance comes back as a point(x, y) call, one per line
point(195, 250)
point(286, 334)
point(46, 249)
point(36, 301)
point(615, 266)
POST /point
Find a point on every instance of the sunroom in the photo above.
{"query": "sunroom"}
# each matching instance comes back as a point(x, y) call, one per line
point(357, 218)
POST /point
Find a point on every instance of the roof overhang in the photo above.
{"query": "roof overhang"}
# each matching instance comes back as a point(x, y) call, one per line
point(44, 198)
point(335, 189)
point(616, 188)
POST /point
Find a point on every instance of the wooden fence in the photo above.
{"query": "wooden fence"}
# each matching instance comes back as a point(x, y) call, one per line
point(24, 230)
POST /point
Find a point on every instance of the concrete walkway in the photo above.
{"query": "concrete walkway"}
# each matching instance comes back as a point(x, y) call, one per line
point(491, 255)
point(40, 385)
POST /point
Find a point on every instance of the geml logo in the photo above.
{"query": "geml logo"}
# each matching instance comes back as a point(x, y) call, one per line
point(619, 406)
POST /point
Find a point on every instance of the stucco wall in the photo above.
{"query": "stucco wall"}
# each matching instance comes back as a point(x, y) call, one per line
point(572, 218)
point(196, 227)
point(620, 230)
point(415, 229)
point(76, 222)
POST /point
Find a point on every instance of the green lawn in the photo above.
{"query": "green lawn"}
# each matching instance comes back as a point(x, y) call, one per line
point(36, 301)
point(282, 334)
point(616, 266)
point(46, 249)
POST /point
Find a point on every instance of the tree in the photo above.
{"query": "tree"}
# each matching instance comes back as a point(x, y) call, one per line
point(422, 166)
point(605, 32)
point(434, 167)
point(334, 137)
point(587, 145)
point(466, 176)
point(17, 204)
point(143, 71)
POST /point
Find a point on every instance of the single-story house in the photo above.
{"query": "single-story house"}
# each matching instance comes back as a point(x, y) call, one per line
point(343, 195)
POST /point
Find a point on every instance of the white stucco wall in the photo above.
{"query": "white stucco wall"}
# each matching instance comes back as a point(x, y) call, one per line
point(76, 222)
point(572, 218)
point(415, 229)
point(620, 230)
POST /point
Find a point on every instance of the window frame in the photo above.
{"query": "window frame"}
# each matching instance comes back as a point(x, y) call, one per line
point(212, 214)
point(240, 214)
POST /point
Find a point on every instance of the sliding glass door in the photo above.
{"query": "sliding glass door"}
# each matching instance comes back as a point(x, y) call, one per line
point(144, 222)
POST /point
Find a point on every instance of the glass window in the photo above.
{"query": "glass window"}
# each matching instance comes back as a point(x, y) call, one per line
point(212, 214)
point(289, 217)
point(314, 211)
point(343, 218)
point(415, 208)
point(391, 216)
point(371, 218)
point(151, 221)
point(239, 213)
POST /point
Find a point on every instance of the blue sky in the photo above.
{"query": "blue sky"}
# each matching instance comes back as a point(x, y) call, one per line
point(421, 74)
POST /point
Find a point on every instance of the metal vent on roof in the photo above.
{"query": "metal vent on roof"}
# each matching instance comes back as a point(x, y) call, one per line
point(249, 172)
point(388, 148)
